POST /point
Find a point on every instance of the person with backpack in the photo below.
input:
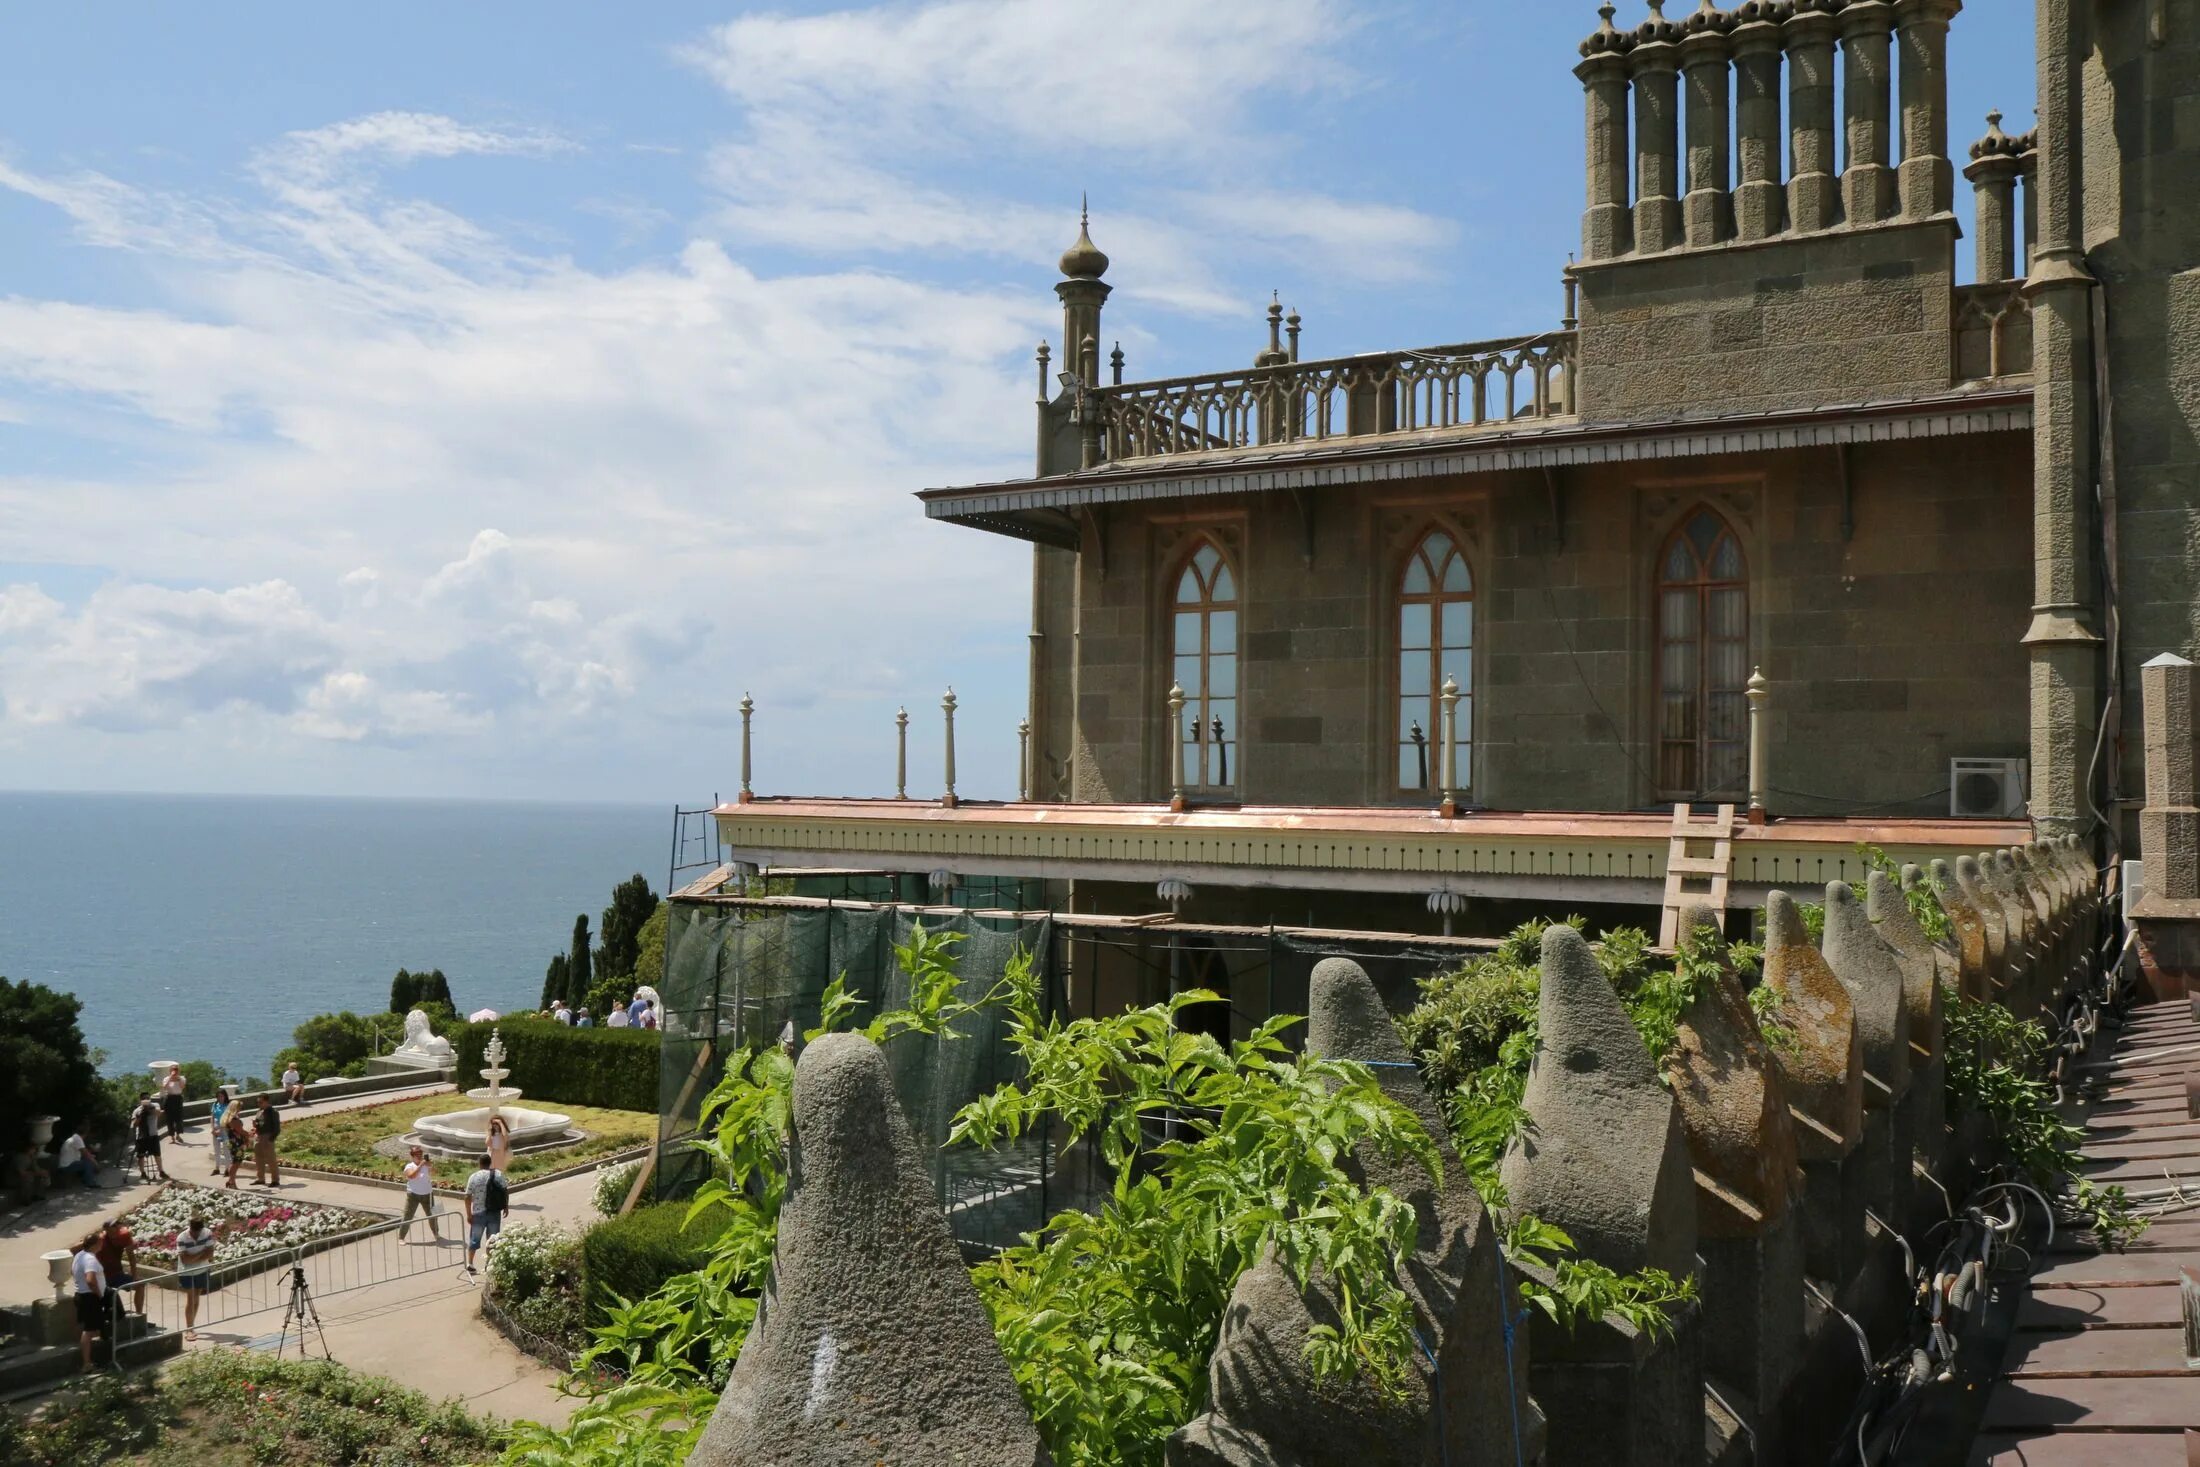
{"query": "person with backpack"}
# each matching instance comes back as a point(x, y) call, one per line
point(487, 1200)
point(267, 1171)
point(145, 1124)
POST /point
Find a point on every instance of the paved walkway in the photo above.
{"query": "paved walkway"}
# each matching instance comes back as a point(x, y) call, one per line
point(2096, 1371)
point(422, 1330)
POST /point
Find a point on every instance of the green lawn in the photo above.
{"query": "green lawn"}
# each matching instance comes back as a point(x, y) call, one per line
point(344, 1141)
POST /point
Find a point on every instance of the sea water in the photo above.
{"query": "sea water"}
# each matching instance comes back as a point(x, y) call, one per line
point(208, 927)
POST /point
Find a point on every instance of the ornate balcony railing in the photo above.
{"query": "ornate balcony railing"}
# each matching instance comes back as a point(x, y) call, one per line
point(1993, 331)
point(1483, 384)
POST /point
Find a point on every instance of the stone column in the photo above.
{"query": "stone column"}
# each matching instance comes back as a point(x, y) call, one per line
point(1760, 204)
point(1653, 65)
point(1607, 228)
point(1707, 210)
point(2167, 914)
point(1604, 1157)
point(1993, 173)
point(1927, 177)
point(1813, 193)
point(1867, 99)
point(2169, 824)
point(2028, 169)
point(2063, 640)
point(1749, 1231)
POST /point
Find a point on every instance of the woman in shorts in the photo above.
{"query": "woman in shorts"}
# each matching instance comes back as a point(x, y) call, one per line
point(195, 1269)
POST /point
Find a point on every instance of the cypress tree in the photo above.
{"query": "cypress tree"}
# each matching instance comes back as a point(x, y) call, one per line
point(578, 973)
point(631, 903)
point(433, 988)
point(404, 991)
point(554, 980)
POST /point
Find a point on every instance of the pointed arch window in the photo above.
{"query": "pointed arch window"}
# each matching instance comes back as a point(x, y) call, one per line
point(1204, 632)
point(1703, 660)
point(1435, 641)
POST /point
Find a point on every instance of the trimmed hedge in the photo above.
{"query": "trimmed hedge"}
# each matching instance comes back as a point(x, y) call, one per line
point(612, 1069)
point(632, 1256)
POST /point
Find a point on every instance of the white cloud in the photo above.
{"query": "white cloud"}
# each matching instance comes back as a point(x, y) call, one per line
point(367, 472)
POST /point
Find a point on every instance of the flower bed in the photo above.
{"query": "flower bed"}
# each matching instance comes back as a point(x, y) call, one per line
point(251, 1224)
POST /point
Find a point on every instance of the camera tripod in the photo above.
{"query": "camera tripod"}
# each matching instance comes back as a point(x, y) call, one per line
point(300, 1312)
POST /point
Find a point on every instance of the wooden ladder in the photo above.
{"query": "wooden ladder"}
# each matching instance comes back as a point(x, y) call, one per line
point(1684, 866)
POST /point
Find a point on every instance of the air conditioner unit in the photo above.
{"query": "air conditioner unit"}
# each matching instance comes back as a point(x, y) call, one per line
point(1987, 789)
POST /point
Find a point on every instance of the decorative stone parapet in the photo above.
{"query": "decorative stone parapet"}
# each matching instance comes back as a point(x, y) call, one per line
point(1267, 1409)
point(1734, 1110)
point(1603, 1156)
point(1823, 1072)
point(1863, 961)
point(871, 1344)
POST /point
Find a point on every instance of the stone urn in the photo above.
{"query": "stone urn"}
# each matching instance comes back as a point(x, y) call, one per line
point(42, 1129)
point(57, 1271)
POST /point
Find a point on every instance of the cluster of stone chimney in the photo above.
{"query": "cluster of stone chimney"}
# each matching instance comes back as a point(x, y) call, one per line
point(1685, 124)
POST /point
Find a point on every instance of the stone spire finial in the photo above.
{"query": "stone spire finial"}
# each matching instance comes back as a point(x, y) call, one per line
point(1824, 1068)
point(1266, 1405)
point(1890, 912)
point(1603, 1155)
point(1732, 1107)
point(871, 1344)
point(1083, 260)
point(1607, 39)
point(1273, 354)
point(1862, 960)
point(1967, 924)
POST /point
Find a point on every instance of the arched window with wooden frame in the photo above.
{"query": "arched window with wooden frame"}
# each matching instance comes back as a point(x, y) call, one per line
point(1203, 634)
point(1435, 641)
point(1703, 660)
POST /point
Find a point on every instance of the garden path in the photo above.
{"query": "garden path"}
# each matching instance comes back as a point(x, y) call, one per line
point(423, 1330)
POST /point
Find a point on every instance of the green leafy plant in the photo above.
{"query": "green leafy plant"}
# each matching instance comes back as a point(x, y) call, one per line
point(1994, 1064)
point(1587, 1290)
point(1107, 1318)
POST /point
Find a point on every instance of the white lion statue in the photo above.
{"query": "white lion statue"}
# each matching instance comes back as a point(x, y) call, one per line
point(423, 1046)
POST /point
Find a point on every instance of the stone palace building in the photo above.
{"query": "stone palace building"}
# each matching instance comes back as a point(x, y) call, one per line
point(1783, 539)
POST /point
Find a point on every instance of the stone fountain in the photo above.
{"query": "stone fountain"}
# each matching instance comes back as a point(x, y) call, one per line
point(466, 1132)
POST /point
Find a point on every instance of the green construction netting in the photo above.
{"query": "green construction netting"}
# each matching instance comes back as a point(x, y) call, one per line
point(741, 978)
point(744, 977)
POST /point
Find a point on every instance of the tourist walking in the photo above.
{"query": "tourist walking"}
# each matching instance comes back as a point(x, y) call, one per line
point(487, 1199)
point(217, 1132)
point(145, 1123)
point(230, 1143)
point(636, 1009)
point(500, 1144)
point(560, 1012)
point(582, 1021)
point(117, 1251)
point(195, 1269)
point(419, 1194)
point(91, 1296)
point(618, 1018)
point(294, 1085)
point(266, 1126)
point(77, 1160)
point(172, 1086)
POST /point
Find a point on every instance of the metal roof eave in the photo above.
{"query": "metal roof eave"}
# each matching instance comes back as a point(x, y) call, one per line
point(1041, 509)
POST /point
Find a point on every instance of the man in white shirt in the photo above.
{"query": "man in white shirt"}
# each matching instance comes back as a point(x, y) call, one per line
point(618, 1018)
point(560, 1012)
point(76, 1159)
point(91, 1296)
point(294, 1086)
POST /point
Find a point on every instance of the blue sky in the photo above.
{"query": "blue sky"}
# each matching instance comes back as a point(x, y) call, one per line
point(478, 399)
